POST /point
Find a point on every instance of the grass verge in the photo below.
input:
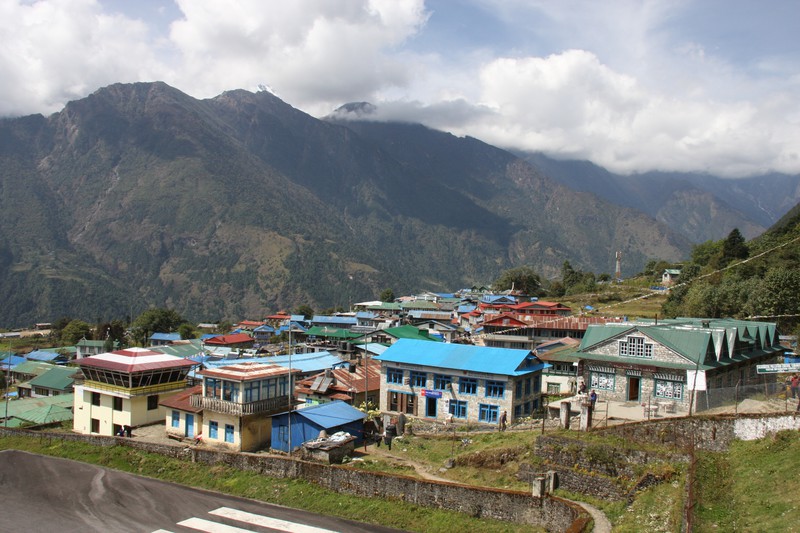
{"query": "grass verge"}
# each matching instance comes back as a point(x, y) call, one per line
point(752, 487)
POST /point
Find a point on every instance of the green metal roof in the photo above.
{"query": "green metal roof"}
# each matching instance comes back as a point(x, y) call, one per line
point(17, 407)
point(702, 342)
point(409, 332)
point(45, 415)
point(57, 378)
point(385, 306)
point(190, 349)
point(36, 368)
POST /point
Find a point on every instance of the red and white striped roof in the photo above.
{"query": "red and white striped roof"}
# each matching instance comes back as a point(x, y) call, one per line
point(134, 360)
point(246, 371)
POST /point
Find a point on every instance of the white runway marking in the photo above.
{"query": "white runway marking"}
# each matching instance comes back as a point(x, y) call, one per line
point(266, 521)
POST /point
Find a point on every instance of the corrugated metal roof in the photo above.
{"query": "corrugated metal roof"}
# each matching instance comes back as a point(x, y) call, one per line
point(42, 355)
point(57, 378)
point(331, 414)
point(503, 361)
point(165, 337)
point(245, 371)
point(134, 360)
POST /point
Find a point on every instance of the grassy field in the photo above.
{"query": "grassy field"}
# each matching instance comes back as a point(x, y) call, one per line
point(618, 300)
point(753, 487)
point(288, 492)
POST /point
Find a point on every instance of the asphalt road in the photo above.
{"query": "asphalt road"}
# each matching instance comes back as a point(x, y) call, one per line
point(39, 493)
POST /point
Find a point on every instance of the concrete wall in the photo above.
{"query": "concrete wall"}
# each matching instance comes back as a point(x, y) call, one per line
point(551, 513)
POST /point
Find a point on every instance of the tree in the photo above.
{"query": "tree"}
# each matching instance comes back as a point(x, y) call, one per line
point(155, 320)
point(778, 293)
point(522, 278)
point(75, 331)
point(387, 295)
point(569, 276)
point(306, 310)
point(734, 247)
point(187, 331)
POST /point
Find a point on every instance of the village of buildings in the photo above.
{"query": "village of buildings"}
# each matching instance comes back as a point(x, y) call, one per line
point(472, 357)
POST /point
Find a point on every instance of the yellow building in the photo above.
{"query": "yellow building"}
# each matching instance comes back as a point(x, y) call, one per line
point(238, 402)
point(123, 389)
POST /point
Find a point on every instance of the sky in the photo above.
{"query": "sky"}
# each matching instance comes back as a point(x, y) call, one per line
point(631, 85)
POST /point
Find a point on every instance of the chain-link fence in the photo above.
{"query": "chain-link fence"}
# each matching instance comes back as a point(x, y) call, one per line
point(767, 397)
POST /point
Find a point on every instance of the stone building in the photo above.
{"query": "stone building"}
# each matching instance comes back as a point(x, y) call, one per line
point(674, 362)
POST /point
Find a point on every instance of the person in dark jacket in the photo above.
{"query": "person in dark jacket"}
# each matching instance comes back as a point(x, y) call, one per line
point(390, 432)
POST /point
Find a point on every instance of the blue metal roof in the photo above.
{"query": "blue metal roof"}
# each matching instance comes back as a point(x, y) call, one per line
point(41, 355)
point(466, 357)
point(324, 319)
point(165, 337)
point(331, 414)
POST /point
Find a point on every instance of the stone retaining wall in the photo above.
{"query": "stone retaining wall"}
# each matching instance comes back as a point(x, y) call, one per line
point(706, 433)
point(552, 513)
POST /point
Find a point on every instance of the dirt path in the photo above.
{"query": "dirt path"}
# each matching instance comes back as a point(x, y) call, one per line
point(420, 469)
point(601, 522)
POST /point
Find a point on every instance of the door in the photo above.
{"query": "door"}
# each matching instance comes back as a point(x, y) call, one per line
point(633, 388)
point(430, 407)
point(189, 431)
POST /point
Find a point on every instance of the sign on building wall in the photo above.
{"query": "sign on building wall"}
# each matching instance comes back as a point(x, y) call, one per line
point(431, 393)
point(696, 379)
point(777, 368)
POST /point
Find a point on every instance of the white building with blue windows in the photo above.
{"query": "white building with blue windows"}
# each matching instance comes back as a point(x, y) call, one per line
point(472, 383)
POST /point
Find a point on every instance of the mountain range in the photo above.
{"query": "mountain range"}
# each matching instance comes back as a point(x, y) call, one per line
point(140, 195)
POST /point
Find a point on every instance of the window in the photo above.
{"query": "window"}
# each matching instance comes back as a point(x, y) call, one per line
point(669, 389)
point(402, 402)
point(537, 383)
point(228, 433)
point(601, 381)
point(117, 402)
point(517, 411)
point(394, 375)
point(176, 419)
point(441, 382)
point(636, 347)
point(212, 387)
point(487, 413)
point(458, 408)
point(269, 388)
point(213, 430)
point(252, 391)
point(518, 389)
point(95, 425)
point(152, 402)
point(553, 388)
point(419, 379)
point(96, 398)
point(230, 391)
point(528, 385)
point(495, 389)
point(468, 386)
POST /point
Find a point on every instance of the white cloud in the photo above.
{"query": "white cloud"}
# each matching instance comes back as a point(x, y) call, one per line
point(631, 85)
point(60, 50)
point(318, 54)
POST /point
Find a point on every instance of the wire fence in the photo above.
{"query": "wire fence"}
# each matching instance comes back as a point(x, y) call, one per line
point(767, 397)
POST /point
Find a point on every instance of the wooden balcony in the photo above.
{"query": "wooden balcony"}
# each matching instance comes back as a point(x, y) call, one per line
point(218, 405)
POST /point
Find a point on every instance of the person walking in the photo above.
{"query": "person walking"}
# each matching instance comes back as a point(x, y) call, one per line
point(390, 432)
point(592, 398)
point(503, 421)
point(795, 383)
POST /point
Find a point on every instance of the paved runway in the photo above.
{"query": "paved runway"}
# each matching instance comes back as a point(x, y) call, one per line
point(40, 493)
